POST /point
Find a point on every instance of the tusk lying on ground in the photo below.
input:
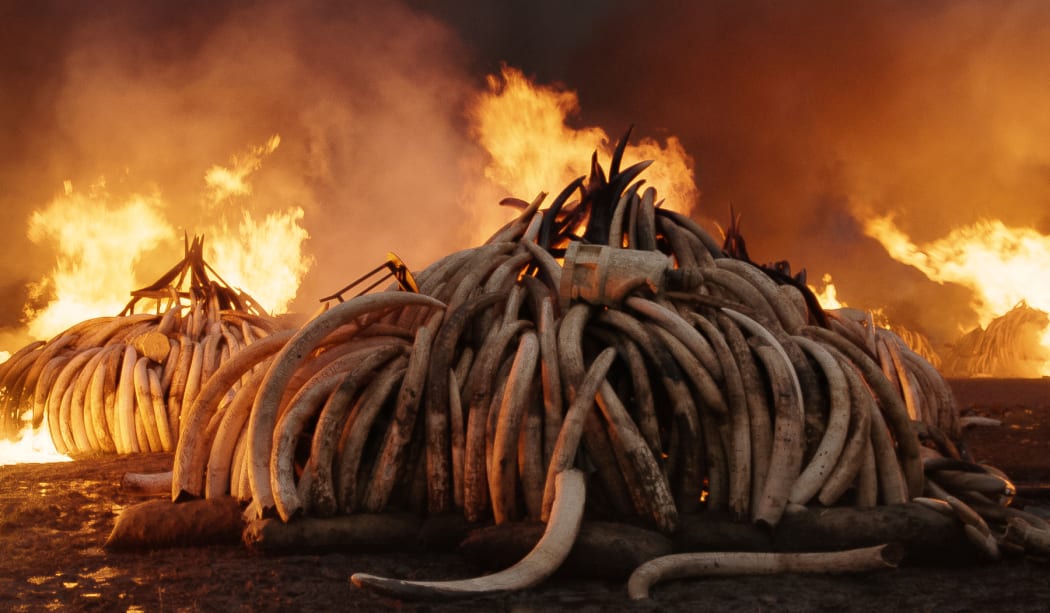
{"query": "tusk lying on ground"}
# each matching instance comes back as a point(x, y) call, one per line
point(545, 558)
point(683, 565)
point(147, 484)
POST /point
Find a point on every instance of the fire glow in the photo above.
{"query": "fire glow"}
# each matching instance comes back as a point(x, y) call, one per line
point(524, 129)
point(101, 242)
point(30, 447)
point(1003, 266)
point(357, 188)
point(266, 256)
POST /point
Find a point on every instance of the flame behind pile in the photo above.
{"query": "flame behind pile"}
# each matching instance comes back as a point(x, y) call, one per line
point(524, 128)
point(1005, 268)
point(106, 246)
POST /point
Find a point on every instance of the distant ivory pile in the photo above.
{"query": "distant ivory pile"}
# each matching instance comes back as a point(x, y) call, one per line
point(121, 384)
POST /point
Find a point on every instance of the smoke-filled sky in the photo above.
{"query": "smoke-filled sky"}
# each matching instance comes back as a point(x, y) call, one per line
point(805, 116)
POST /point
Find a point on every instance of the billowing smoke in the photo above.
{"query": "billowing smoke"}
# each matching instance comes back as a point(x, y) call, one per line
point(808, 116)
point(805, 116)
point(367, 99)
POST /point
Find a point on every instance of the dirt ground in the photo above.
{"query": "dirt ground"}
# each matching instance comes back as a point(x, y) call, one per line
point(54, 519)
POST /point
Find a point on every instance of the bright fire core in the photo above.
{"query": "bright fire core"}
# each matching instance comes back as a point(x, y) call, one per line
point(1004, 267)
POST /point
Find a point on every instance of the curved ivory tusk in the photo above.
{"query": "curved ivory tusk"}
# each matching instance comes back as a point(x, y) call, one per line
point(758, 329)
point(688, 335)
point(785, 463)
point(788, 317)
point(192, 453)
point(717, 563)
point(504, 466)
point(758, 411)
point(546, 262)
point(548, 554)
point(264, 411)
point(862, 404)
point(893, 408)
point(126, 403)
point(832, 443)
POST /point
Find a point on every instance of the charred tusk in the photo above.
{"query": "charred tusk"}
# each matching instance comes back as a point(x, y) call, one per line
point(545, 558)
point(502, 471)
point(1030, 537)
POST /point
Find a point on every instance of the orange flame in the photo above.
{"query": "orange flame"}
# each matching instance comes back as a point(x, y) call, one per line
point(1002, 265)
point(532, 149)
point(225, 182)
point(102, 240)
point(98, 243)
point(828, 295)
point(263, 257)
point(30, 447)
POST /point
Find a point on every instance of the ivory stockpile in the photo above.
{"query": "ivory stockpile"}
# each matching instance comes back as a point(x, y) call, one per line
point(121, 384)
point(597, 359)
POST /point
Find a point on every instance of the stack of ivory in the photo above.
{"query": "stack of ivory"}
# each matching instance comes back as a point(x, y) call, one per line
point(122, 384)
point(710, 388)
point(1009, 347)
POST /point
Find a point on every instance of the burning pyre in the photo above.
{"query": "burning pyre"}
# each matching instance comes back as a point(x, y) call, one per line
point(1012, 345)
point(122, 384)
point(605, 345)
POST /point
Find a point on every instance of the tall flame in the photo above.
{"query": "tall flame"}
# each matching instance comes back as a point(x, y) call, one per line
point(263, 257)
point(228, 181)
point(828, 295)
point(1004, 266)
point(98, 242)
point(102, 239)
point(523, 127)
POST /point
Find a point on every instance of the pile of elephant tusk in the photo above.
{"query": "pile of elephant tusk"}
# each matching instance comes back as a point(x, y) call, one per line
point(1003, 348)
point(598, 359)
point(122, 384)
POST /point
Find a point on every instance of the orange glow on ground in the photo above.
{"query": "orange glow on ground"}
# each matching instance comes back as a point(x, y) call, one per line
point(31, 446)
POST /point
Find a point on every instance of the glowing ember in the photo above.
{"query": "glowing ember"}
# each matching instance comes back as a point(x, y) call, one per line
point(1002, 265)
point(523, 128)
